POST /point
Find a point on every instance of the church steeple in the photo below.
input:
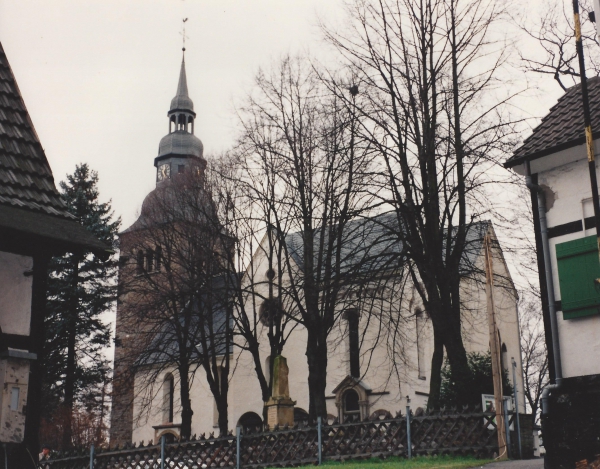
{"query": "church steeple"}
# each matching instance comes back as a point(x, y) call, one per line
point(180, 145)
point(182, 101)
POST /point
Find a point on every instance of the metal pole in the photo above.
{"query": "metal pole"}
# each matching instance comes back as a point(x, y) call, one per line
point(237, 447)
point(589, 140)
point(514, 367)
point(319, 436)
point(506, 425)
point(408, 442)
point(92, 457)
point(162, 452)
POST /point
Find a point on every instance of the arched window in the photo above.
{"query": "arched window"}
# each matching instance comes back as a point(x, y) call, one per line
point(250, 422)
point(172, 124)
point(168, 394)
point(353, 342)
point(268, 369)
point(140, 262)
point(351, 406)
point(150, 260)
point(420, 321)
point(190, 124)
point(300, 415)
point(504, 358)
point(158, 258)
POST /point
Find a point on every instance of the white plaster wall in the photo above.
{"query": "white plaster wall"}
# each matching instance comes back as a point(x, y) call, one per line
point(390, 379)
point(15, 293)
point(579, 338)
point(476, 334)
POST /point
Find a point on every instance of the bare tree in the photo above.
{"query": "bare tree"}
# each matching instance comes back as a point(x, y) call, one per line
point(310, 178)
point(431, 105)
point(553, 31)
point(259, 304)
point(179, 292)
point(533, 352)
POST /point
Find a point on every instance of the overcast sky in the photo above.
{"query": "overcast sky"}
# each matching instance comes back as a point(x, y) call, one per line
point(98, 75)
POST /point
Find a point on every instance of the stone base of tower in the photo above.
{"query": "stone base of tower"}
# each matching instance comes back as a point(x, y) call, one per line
point(121, 417)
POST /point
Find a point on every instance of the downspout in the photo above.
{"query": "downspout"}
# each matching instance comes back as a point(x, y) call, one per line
point(541, 198)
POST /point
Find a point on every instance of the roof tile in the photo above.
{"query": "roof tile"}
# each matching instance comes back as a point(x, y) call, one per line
point(563, 126)
point(25, 175)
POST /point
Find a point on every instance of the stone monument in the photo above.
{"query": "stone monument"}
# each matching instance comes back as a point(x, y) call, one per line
point(280, 408)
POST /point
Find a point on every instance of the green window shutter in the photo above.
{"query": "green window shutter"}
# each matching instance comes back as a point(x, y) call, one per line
point(578, 268)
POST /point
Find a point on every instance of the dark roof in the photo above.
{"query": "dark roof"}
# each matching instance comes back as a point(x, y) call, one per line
point(372, 244)
point(164, 346)
point(28, 197)
point(562, 127)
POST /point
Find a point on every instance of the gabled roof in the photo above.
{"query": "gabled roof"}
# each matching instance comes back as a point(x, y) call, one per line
point(29, 201)
point(562, 127)
point(372, 245)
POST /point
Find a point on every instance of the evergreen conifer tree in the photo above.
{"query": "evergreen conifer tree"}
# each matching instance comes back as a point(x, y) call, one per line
point(81, 288)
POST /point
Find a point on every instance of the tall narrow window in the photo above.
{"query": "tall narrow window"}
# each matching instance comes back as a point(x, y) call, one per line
point(351, 406)
point(215, 409)
point(158, 258)
point(140, 262)
point(504, 358)
point(168, 392)
point(420, 321)
point(353, 343)
point(149, 260)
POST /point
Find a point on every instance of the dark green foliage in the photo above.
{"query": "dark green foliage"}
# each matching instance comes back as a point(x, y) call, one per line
point(81, 288)
point(480, 382)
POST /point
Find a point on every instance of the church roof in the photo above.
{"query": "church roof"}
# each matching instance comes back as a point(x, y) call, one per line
point(180, 143)
point(29, 201)
point(164, 346)
point(372, 244)
point(182, 101)
point(562, 127)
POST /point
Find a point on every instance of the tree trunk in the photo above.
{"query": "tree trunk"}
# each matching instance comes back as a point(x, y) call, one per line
point(435, 381)
point(316, 354)
point(71, 357)
point(459, 365)
point(186, 405)
point(223, 418)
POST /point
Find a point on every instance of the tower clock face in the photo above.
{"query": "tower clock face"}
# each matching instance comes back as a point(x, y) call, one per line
point(164, 171)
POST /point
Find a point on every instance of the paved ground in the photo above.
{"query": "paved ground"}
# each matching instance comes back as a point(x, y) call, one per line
point(523, 464)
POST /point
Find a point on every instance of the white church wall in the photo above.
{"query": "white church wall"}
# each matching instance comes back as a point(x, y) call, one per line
point(390, 379)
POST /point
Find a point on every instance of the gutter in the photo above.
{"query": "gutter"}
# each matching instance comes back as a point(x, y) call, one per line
point(541, 198)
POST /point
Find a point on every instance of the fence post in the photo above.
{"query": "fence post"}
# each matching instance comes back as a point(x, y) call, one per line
point(319, 436)
point(514, 366)
point(507, 426)
point(92, 457)
point(162, 452)
point(238, 438)
point(408, 442)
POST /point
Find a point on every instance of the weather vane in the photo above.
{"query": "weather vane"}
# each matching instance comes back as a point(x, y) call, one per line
point(183, 34)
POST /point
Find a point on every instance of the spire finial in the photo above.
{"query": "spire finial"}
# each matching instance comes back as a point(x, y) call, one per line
point(183, 34)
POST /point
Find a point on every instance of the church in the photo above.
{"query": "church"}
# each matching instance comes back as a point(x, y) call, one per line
point(373, 370)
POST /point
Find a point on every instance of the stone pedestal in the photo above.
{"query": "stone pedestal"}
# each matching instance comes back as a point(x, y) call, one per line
point(280, 408)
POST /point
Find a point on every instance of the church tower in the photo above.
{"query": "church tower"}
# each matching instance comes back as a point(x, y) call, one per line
point(180, 147)
point(179, 151)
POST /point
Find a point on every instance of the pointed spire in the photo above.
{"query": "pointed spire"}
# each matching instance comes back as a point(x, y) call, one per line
point(182, 89)
point(182, 101)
